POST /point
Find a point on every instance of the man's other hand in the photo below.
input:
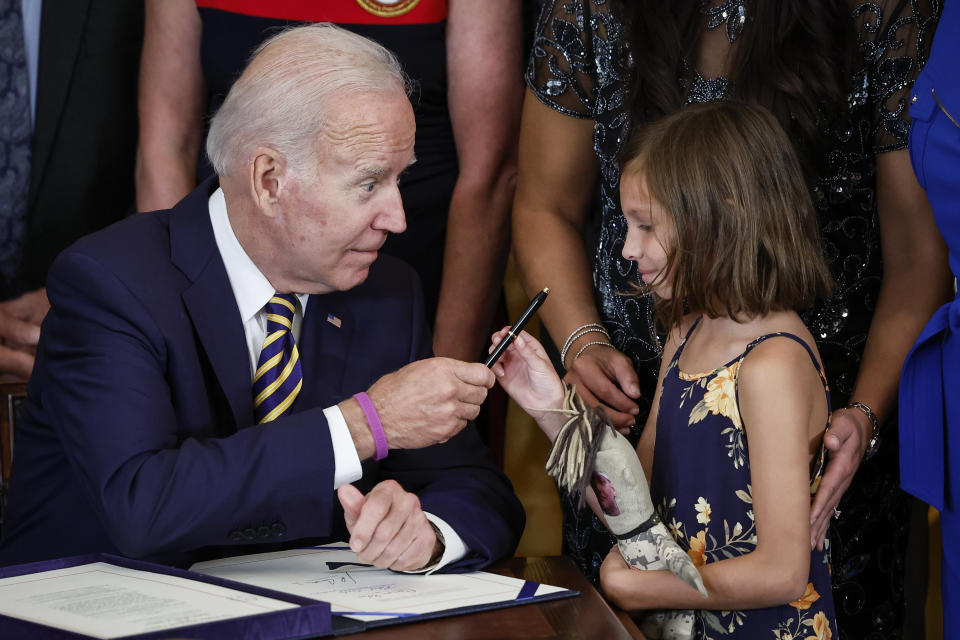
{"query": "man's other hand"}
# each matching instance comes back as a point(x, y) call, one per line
point(388, 529)
point(20, 320)
point(429, 401)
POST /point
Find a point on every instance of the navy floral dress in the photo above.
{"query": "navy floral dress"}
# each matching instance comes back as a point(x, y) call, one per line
point(701, 487)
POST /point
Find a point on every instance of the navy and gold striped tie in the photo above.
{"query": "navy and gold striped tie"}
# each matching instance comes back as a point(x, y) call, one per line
point(278, 378)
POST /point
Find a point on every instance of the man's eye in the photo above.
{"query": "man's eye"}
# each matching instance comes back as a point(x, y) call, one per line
point(368, 187)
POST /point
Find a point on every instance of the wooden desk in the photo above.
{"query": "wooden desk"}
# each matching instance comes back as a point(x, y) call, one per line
point(584, 616)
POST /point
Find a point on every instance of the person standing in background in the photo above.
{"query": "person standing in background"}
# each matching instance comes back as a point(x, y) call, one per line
point(930, 383)
point(466, 58)
point(68, 80)
point(837, 75)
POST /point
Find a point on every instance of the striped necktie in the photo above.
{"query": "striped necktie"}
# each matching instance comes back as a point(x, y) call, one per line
point(278, 378)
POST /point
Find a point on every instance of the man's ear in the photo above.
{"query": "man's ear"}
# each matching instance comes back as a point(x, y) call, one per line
point(268, 178)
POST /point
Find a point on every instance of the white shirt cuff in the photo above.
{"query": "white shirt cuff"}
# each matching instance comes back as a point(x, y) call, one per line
point(453, 546)
point(346, 461)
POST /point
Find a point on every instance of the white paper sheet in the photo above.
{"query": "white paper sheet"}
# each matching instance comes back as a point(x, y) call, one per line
point(333, 573)
point(102, 600)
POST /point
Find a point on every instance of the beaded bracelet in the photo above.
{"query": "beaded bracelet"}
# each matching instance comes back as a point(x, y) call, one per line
point(587, 346)
point(579, 332)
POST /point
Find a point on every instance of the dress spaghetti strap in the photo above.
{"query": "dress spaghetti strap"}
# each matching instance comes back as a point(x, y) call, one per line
point(802, 342)
point(676, 356)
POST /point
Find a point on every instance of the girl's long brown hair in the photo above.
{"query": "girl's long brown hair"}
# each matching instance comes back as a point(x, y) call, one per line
point(745, 234)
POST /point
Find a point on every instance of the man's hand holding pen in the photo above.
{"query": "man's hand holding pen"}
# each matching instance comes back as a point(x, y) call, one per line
point(424, 403)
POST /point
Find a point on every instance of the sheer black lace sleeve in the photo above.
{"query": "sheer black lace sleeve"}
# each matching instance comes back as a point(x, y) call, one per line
point(578, 56)
point(893, 41)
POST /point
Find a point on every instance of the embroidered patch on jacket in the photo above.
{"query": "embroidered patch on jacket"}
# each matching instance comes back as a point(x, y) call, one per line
point(388, 8)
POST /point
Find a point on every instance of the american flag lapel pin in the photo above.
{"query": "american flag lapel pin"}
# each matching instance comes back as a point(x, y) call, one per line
point(334, 320)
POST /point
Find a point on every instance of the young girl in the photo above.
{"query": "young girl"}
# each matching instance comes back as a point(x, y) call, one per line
point(724, 234)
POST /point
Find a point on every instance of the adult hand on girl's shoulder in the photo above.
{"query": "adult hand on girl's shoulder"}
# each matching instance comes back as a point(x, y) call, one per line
point(604, 376)
point(526, 374)
point(846, 442)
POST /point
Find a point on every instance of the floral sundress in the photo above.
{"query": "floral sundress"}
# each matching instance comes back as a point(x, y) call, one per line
point(701, 486)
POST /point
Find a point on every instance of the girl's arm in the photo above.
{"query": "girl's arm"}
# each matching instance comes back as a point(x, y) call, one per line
point(781, 403)
point(526, 374)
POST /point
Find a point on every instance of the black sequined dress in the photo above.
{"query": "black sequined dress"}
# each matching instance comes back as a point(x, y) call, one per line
point(579, 66)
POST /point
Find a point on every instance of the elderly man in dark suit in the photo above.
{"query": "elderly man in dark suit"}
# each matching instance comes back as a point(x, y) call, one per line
point(208, 377)
point(67, 145)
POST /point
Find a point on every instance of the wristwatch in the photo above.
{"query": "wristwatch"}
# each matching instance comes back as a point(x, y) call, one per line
point(874, 422)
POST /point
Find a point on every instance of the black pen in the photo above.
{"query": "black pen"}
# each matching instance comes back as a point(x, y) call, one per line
point(518, 326)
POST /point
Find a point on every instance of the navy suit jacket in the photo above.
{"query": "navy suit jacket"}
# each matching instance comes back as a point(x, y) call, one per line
point(138, 434)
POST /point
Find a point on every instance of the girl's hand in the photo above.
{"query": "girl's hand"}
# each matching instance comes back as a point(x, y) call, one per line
point(526, 374)
point(615, 575)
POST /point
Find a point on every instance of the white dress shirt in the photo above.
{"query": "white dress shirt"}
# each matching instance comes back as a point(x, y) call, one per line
point(253, 291)
point(30, 14)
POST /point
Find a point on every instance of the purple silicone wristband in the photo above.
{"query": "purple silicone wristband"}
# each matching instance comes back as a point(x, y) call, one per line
point(373, 420)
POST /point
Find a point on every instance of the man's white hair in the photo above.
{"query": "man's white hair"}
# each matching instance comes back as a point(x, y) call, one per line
point(281, 99)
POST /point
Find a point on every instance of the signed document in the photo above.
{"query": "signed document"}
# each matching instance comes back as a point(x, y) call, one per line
point(333, 573)
point(102, 600)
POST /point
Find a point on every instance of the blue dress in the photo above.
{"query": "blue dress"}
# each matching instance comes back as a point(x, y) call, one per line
point(930, 383)
point(701, 487)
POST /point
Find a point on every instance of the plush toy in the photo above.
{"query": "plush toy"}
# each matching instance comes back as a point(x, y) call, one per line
point(589, 451)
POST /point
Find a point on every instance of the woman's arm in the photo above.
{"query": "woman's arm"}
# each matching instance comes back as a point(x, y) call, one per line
point(780, 409)
point(171, 104)
point(558, 173)
point(485, 92)
point(916, 281)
